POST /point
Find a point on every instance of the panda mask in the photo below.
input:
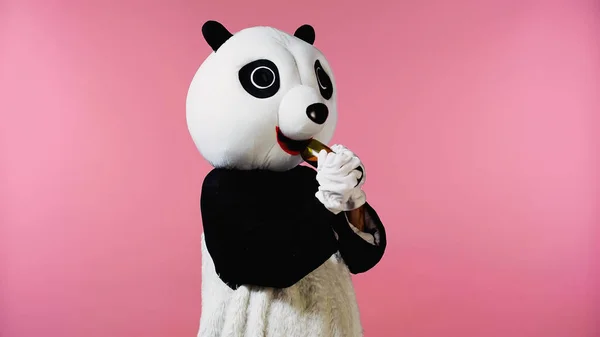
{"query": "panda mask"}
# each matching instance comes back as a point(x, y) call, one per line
point(259, 97)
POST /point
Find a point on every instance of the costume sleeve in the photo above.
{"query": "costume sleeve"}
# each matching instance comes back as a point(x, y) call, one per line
point(359, 252)
point(370, 238)
point(257, 238)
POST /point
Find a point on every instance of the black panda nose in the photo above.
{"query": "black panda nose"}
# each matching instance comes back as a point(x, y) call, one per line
point(317, 112)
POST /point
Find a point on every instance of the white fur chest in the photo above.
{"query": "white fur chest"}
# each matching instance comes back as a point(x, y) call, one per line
point(321, 304)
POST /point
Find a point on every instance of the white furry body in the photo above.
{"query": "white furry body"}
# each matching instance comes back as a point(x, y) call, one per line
point(322, 304)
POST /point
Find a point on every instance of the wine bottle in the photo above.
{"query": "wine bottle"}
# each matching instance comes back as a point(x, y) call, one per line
point(311, 155)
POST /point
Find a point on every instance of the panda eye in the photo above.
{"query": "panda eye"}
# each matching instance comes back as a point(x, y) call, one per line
point(324, 81)
point(260, 78)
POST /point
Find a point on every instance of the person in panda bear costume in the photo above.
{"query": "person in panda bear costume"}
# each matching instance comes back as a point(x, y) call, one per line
point(279, 244)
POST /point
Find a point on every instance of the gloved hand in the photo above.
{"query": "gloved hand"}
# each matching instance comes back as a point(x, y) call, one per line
point(339, 180)
point(343, 150)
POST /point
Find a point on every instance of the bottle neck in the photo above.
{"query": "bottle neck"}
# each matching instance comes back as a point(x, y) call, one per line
point(311, 152)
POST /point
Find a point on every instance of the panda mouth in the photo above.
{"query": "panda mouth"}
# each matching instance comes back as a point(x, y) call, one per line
point(291, 146)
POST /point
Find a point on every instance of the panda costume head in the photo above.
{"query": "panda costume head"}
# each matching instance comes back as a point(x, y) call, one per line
point(257, 100)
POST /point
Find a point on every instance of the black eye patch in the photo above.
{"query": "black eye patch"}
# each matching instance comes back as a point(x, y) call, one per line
point(260, 78)
point(324, 81)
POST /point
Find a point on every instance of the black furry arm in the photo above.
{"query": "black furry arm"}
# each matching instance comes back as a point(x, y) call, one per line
point(262, 231)
point(359, 254)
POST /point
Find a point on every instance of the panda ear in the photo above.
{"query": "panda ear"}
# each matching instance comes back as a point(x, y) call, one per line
point(306, 33)
point(215, 34)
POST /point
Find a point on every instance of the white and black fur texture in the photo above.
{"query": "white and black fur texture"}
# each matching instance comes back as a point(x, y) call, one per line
point(276, 260)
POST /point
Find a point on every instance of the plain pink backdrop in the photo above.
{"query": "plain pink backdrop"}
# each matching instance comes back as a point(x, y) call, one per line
point(477, 121)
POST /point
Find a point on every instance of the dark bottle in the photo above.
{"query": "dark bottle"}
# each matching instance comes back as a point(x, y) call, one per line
point(310, 155)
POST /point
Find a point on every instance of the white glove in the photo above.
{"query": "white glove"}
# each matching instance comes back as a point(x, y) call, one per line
point(343, 150)
point(339, 181)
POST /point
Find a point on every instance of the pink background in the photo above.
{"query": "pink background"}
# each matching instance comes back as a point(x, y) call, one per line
point(477, 121)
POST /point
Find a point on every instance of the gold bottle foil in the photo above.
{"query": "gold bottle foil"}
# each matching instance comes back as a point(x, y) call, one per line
point(311, 152)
